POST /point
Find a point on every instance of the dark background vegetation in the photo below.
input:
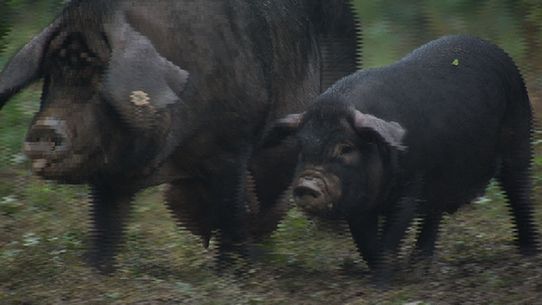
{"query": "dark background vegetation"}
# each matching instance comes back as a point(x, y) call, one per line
point(43, 225)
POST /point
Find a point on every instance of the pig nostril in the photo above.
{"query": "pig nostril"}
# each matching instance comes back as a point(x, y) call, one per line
point(303, 191)
point(44, 140)
point(57, 141)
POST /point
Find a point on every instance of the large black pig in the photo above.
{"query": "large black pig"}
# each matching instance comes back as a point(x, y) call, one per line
point(422, 136)
point(138, 93)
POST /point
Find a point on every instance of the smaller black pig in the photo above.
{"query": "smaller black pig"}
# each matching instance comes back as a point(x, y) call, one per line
point(422, 136)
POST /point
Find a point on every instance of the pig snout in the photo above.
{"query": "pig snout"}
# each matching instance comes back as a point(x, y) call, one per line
point(311, 194)
point(307, 188)
point(46, 139)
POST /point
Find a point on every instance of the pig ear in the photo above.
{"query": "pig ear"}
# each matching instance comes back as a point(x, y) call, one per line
point(282, 128)
point(138, 77)
point(390, 132)
point(25, 66)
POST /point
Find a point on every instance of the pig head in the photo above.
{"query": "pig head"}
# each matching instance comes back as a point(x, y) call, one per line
point(107, 102)
point(346, 161)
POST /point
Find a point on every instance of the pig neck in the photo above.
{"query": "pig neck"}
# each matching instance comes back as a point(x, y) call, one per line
point(150, 176)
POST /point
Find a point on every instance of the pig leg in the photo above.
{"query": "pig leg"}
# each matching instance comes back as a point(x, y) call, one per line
point(110, 209)
point(384, 250)
point(427, 235)
point(399, 217)
point(516, 170)
point(515, 180)
point(272, 170)
point(192, 208)
point(227, 188)
point(396, 224)
point(364, 230)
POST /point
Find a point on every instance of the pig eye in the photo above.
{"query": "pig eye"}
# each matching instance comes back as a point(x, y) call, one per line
point(344, 149)
point(74, 54)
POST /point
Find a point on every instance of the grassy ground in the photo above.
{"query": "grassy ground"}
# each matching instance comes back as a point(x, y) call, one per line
point(43, 234)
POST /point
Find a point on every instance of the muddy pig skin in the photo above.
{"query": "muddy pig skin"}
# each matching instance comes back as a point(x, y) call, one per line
point(138, 93)
point(420, 137)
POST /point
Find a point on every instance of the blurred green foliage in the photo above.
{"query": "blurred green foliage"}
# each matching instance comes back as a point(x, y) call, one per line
point(393, 28)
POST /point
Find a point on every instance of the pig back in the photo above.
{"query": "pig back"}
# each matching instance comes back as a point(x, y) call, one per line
point(451, 96)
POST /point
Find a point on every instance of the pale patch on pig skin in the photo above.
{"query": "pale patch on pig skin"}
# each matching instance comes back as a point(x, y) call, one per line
point(139, 98)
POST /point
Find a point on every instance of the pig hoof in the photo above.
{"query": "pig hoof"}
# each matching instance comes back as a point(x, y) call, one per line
point(232, 264)
point(529, 251)
point(104, 266)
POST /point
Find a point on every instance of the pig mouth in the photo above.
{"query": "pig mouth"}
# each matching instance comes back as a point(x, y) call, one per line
point(66, 166)
point(55, 167)
point(317, 193)
point(41, 162)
